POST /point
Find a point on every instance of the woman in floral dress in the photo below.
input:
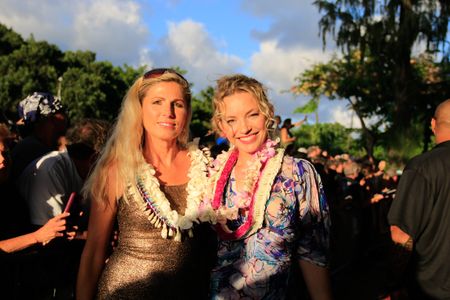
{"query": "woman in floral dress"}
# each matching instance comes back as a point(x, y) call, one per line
point(269, 208)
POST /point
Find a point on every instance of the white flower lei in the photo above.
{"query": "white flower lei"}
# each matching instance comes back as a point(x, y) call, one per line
point(156, 204)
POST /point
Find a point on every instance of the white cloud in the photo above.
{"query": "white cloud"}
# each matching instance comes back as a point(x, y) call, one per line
point(346, 117)
point(46, 19)
point(115, 30)
point(277, 68)
point(289, 46)
point(189, 46)
point(112, 28)
point(292, 22)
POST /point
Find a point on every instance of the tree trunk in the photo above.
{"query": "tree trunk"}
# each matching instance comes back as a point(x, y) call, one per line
point(368, 136)
point(404, 90)
point(316, 112)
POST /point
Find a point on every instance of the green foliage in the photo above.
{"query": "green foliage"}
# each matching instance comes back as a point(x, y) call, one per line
point(367, 89)
point(34, 66)
point(346, 78)
point(377, 74)
point(310, 107)
point(88, 88)
point(9, 40)
point(130, 74)
point(78, 59)
point(95, 91)
point(385, 27)
point(333, 137)
point(202, 112)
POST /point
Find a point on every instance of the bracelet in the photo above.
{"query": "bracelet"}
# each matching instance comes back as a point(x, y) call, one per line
point(408, 245)
point(37, 241)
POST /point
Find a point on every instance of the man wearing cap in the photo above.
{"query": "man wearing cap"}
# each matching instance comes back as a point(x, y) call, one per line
point(44, 122)
point(420, 214)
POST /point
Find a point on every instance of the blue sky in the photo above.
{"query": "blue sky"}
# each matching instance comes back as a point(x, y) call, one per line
point(225, 20)
point(273, 41)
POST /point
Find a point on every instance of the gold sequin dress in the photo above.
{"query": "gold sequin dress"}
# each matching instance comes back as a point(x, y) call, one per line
point(146, 266)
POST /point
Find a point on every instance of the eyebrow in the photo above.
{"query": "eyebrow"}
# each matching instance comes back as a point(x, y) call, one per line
point(172, 100)
point(247, 113)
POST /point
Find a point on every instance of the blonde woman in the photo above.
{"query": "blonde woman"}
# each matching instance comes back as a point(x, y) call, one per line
point(152, 182)
point(271, 213)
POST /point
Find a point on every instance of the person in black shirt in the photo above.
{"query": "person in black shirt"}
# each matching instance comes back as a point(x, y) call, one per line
point(420, 214)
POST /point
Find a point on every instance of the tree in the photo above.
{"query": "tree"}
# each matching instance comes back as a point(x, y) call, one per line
point(315, 82)
point(346, 79)
point(333, 137)
point(388, 30)
point(93, 89)
point(9, 40)
point(89, 88)
point(364, 86)
point(202, 112)
point(34, 66)
point(130, 74)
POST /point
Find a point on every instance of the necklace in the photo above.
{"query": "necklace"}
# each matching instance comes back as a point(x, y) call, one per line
point(261, 173)
point(157, 205)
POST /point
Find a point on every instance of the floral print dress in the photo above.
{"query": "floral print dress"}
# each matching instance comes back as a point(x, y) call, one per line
point(295, 227)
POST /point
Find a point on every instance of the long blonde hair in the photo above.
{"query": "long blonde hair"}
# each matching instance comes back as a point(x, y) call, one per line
point(123, 153)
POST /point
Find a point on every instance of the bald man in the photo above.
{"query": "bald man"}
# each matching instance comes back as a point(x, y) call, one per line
point(420, 214)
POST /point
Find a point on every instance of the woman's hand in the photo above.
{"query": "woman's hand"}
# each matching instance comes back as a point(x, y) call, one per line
point(53, 228)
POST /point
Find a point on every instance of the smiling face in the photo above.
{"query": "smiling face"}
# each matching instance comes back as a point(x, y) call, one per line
point(164, 112)
point(242, 122)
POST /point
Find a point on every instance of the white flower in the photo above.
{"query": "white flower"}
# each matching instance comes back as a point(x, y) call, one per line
point(184, 223)
point(149, 185)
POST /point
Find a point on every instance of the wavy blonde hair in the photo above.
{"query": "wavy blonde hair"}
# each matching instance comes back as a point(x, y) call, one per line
point(123, 152)
point(232, 84)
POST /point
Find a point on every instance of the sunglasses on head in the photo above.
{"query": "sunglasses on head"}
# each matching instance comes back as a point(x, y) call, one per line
point(155, 73)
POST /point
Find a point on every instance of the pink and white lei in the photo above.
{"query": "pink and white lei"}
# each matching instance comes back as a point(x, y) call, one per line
point(261, 173)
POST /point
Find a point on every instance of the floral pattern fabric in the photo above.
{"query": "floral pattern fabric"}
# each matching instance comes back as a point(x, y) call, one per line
point(296, 226)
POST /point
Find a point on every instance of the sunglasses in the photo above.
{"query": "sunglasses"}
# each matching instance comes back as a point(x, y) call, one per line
point(155, 73)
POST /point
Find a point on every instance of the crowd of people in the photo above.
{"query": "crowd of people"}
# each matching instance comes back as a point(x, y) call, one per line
point(44, 162)
point(139, 210)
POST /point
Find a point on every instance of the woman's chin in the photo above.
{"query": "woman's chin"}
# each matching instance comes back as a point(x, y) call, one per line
point(249, 148)
point(164, 138)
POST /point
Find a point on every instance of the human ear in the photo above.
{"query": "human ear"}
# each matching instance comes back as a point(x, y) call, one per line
point(433, 125)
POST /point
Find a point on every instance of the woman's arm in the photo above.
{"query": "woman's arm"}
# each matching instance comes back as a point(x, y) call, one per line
point(101, 222)
point(53, 228)
point(317, 280)
point(285, 136)
point(313, 242)
point(296, 124)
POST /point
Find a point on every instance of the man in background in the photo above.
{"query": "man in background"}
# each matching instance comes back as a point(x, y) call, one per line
point(43, 122)
point(46, 185)
point(420, 214)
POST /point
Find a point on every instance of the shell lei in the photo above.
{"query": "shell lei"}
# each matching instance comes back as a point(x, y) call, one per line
point(158, 207)
point(260, 193)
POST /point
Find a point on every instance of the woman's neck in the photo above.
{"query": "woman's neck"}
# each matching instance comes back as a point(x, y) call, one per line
point(243, 159)
point(161, 153)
